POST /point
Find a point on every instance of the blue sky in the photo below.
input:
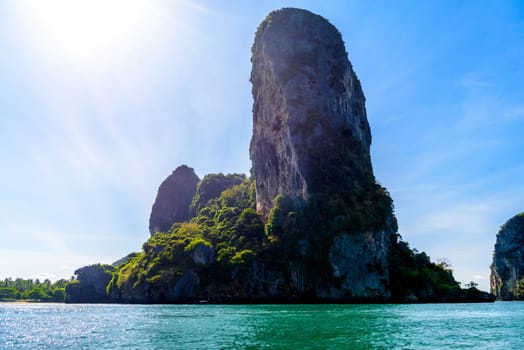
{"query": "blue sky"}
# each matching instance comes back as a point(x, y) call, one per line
point(100, 102)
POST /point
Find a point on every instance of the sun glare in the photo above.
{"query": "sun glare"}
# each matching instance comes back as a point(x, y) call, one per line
point(87, 27)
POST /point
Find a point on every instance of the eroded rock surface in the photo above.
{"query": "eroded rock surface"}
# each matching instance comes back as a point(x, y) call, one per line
point(310, 145)
point(173, 199)
point(507, 269)
point(306, 96)
point(90, 286)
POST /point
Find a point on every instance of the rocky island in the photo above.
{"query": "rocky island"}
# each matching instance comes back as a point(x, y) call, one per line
point(507, 269)
point(311, 223)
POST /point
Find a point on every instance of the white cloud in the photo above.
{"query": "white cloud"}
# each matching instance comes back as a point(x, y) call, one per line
point(473, 218)
point(514, 113)
point(473, 81)
point(31, 264)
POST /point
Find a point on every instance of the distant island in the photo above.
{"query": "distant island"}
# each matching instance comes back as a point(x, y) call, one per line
point(311, 224)
point(507, 269)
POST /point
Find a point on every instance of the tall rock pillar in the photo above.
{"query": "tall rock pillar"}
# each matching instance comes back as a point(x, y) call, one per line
point(306, 99)
point(310, 146)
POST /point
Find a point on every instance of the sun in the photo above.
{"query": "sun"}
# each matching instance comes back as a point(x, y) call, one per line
point(86, 27)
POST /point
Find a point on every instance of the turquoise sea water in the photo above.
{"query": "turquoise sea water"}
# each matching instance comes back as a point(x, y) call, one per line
point(428, 326)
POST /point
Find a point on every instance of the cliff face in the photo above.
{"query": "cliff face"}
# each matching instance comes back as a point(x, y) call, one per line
point(173, 199)
point(361, 262)
point(91, 284)
point(306, 96)
point(507, 269)
point(311, 141)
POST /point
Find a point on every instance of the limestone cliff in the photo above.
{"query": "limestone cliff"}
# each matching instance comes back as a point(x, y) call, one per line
point(173, 199)
point(507, 269)
point(311, 141)
point(306, 97)
point(90, 285)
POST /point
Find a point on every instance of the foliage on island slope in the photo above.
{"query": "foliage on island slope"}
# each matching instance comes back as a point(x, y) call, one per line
point(234, 231)
point(413, 275)
point(226, 233)
point(210, 187)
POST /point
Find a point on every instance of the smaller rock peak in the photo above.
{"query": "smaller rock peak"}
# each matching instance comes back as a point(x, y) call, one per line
point(183, 169)
point(173, 199)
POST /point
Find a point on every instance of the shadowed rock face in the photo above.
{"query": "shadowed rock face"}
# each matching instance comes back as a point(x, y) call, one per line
point(306, 97)
point(91, 286)
point(507, 269)
point(173, 199)
point(310, 145)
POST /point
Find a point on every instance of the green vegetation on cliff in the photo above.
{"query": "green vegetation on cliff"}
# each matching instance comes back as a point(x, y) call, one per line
point(227, 233)
point(414, 277)
point(211, 186)
point(228, 236)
